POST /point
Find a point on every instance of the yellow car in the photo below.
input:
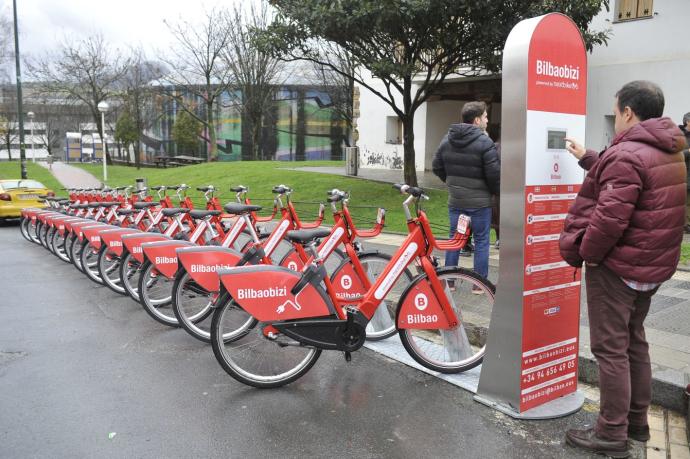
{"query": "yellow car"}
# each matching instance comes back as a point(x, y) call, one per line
point(18, 194)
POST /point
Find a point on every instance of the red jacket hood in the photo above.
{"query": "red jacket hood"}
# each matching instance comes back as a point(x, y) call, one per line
point(661, 133)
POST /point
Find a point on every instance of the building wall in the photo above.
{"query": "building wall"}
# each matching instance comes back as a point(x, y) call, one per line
point(440, 115)
point(374, 151)
point(653, 49)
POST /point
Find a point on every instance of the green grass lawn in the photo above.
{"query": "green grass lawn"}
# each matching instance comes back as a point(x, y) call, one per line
point(685, 253)
point(310, 188)
point(11, 170)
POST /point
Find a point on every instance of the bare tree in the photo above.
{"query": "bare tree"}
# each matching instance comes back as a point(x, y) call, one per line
point(82, 71)
point(50, 138)
point(9, 133)
point(138, 96)
point(6, 44)
point(197, 70)
point(339, 86)
point(256, 74)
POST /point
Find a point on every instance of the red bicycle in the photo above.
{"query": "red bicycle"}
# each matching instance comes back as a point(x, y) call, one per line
point(441, 323)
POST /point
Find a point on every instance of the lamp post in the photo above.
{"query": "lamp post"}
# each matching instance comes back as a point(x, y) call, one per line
point(31, 115)
point(103, 107)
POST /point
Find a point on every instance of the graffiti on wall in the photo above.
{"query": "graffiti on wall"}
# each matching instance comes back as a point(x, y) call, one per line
point(387, 160)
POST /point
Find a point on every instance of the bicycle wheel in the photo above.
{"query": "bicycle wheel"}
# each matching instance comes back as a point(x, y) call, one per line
point(32, 230)
point(462, 348)
point(41, 231)
point(75, 253)
point(130, 270)
point(49, 239)
point(89, 261)
point(23, 225)
point(69, 241)
point(109, 270)
point(155, 295)
point(192, 305)
point(59, 246)
point(255, 359)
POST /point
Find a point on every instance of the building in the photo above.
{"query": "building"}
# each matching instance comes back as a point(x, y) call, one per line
point(301, 123)
point(644, 43)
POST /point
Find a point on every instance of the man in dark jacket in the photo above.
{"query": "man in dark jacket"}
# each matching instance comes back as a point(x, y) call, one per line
point(685, 127)
point(467, 161)
point(626, 224)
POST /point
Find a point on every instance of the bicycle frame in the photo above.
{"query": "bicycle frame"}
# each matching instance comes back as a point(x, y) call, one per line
point(241, 283)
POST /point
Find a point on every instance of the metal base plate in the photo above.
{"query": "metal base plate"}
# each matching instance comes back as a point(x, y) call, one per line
point(469, 381)
point(563, 406)
point(392, 348)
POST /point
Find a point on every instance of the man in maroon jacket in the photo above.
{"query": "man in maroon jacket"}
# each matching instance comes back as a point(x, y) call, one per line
point(626, 224)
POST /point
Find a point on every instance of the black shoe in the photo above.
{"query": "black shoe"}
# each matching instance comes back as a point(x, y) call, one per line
point(588, 441)
point(465, 253)
point(639, 433)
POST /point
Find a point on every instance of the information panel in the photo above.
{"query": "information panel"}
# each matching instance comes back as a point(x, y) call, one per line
point(556, 106)
point(532, 350)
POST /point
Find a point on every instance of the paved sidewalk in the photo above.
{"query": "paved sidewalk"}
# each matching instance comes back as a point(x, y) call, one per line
point(667, 327)
point(425, 179)
point(73, 177)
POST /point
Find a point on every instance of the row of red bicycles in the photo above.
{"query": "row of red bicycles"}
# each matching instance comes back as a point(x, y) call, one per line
point(271, 292)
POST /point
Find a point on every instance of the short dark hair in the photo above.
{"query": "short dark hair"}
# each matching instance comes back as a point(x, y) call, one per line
point(644, 98)
point(472, 110)
point(686, 118)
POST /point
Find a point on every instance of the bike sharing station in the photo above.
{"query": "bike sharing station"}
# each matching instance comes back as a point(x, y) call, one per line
point(530, 366)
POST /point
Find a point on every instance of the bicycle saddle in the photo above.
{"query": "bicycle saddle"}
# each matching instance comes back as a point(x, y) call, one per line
point(174, 211)
point(198, 214)
point(305, 236)
point(237, 209)
point(144, 205)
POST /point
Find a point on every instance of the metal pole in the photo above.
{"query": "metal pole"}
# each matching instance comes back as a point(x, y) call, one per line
point(20, 109)
point(105, 165)
point(33, 153)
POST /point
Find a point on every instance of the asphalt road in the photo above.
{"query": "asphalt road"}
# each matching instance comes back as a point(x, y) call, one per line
point(86, 373)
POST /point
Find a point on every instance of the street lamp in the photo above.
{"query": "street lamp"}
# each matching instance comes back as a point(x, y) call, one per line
point(103, 107)
point(31, 115)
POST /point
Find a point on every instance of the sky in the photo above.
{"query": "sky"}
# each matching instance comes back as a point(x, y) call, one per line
point(44, 23)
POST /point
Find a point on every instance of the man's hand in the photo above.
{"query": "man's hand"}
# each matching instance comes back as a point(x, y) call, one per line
point(577, 150)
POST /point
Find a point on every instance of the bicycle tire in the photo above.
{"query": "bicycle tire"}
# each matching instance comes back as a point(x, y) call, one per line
point(58, 244)
point(157, 307)
point(462, 348)
point(109, 264)
point(49, 239)
point(89, 261)
point(76, 253)
point(130, 269)
point(243, 358)
point(32, 231)
point(41, 231)
point(68, 246)
point(23, 224)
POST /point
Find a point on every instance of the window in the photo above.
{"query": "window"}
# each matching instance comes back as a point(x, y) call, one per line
point(627, 10)
point(394, 130)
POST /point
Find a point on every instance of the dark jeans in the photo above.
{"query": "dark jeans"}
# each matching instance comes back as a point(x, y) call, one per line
point(481, 225)
point(616, 317)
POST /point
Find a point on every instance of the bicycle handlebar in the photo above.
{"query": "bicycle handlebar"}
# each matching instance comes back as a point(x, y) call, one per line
point(411, 190)
point(281, 189)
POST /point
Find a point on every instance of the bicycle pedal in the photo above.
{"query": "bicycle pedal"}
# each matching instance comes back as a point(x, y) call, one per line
point(348, 356)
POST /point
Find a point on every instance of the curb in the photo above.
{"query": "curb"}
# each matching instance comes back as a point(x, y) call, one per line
point(687, 413)
point(668, 385)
